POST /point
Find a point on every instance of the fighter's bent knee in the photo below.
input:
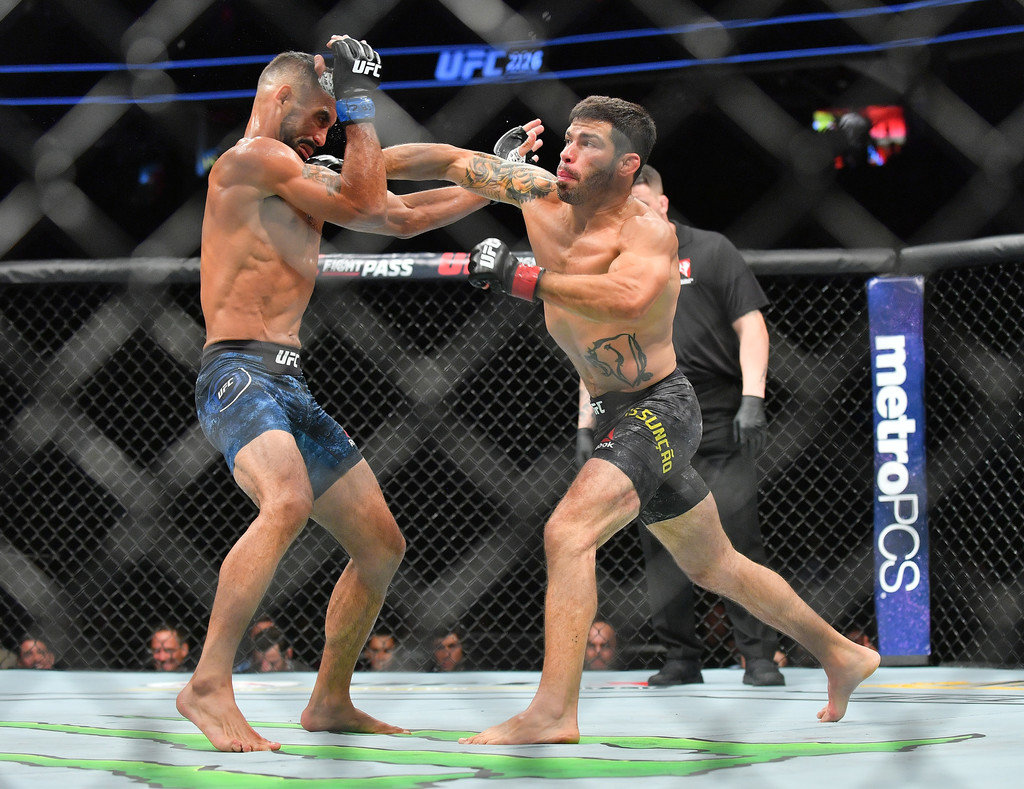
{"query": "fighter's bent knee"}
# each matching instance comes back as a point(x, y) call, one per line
point(288, 510)
point(393, 547)
point(563, 537)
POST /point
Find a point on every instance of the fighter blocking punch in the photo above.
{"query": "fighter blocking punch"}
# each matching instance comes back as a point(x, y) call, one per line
point(356, 73)
point(296, 462)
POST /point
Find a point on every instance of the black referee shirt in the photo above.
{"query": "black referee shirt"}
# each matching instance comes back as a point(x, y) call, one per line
point(717, 288)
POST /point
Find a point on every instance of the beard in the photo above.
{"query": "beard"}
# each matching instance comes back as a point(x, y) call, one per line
point(291, 137)
point(581, 191)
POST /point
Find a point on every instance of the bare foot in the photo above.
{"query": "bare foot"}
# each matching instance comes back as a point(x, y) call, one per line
point(852, 668)
point(218, 717)
point(527, 727)
point(344, 719)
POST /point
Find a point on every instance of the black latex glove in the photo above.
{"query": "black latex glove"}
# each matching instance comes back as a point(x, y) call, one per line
point(750, 425)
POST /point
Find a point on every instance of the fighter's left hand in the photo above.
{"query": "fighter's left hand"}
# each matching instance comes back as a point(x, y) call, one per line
point(521, 143)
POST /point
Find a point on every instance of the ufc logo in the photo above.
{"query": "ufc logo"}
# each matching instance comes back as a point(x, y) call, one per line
point(367, 67)
point(488, 251)
point(287, 358)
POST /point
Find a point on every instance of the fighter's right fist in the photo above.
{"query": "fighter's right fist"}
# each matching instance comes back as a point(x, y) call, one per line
point(491, 264)
point(356, 67)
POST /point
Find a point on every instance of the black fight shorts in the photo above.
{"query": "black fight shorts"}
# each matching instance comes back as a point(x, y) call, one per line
point(650, 436)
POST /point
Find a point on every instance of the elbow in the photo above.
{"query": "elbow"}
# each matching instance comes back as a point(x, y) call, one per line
point(405, 231)
point(373, 216)
point(403, 223)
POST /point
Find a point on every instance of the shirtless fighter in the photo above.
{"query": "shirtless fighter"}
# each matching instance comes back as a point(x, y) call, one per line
point(265, 210)
point(609, 279)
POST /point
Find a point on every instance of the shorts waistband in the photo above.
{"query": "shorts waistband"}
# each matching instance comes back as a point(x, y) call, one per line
point(278, 359)
point(611, 402)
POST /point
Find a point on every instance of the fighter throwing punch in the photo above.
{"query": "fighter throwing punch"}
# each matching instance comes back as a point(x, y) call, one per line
point(265, 210)
point(609, 280)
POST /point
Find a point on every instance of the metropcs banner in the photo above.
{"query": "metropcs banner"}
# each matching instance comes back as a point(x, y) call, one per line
point(896, 314)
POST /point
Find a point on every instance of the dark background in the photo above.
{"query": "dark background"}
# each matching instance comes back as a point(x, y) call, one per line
point(735, 144)
point(115, 500)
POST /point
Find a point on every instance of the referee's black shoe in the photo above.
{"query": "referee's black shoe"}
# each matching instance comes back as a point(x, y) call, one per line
point(677, 672)
point(762, 671)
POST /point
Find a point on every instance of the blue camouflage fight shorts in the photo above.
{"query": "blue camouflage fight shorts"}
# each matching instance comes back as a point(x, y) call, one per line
point(246, 388)
point(651, 436)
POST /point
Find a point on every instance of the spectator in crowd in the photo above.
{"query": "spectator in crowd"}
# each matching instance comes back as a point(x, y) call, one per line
point(261, 623)
point(379, 653)
point(448, 651)
point(168, 649)
point(272, 651)
point(721, 344)
point(33, 652)
point(602, 647)
point(8, 659)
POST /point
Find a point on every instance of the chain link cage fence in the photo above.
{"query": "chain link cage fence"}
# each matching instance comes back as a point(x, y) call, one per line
point(119, 512)
point(116, 512)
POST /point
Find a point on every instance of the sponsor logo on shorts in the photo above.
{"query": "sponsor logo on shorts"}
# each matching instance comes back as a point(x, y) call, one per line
point(287, 358)
point(229, 389)
point(598, 406)
point(608, 442)
point(658, 432)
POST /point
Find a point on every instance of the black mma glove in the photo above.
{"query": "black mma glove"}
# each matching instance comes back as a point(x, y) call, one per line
point(491, 264)
point(326, 160)
point(507, 146)
point(584, 445)
point(355, 74)
point(750, 425)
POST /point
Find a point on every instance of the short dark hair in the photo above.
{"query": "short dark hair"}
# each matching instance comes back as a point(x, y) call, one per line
point(268, 638)
point(295, 66)
point(634, 124)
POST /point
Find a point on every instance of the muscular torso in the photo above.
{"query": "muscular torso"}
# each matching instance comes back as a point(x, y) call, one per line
point(259, 261)
point(610, 356)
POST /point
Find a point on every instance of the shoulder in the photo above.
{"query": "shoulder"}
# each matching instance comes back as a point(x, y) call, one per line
point(650, 232)
point(256, 160)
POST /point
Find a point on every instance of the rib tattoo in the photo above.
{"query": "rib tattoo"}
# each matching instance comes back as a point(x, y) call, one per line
point(620, 357)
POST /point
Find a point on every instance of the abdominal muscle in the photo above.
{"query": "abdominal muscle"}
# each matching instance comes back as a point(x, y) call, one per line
point(257, 275)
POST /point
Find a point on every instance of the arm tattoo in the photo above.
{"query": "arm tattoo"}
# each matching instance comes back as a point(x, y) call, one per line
point(620, 357)
point(499, 178)
point(329, 179)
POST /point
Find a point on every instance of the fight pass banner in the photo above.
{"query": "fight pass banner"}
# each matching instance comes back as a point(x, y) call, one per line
point(895, 309)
